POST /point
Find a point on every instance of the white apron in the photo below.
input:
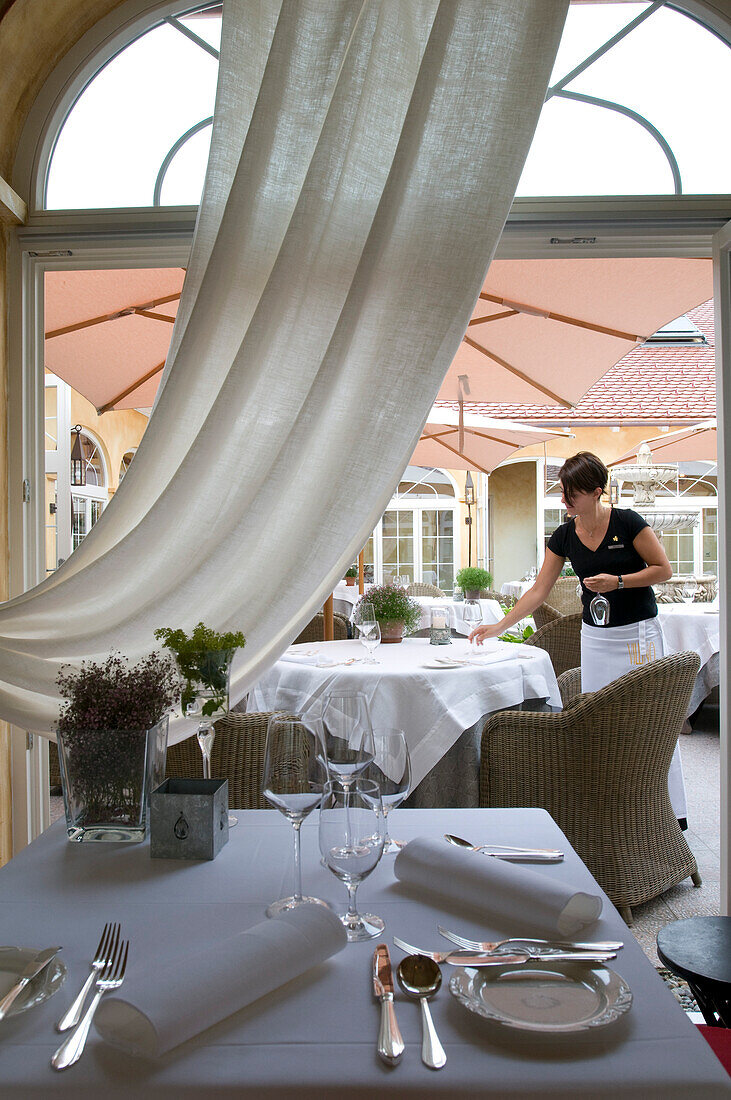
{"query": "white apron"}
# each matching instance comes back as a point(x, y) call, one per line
point(608, 652)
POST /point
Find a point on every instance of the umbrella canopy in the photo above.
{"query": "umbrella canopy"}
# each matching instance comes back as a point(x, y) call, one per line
point(108, 332)
point(544, 331)
point(487, 441)
point(694, 444)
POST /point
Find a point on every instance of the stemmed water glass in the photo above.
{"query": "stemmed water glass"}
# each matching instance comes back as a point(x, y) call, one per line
point(295, 774)
point(472, 614)
point(370, 639)
point(347, 734)
point(391, 770)
point(351, 842)
point(689, 590)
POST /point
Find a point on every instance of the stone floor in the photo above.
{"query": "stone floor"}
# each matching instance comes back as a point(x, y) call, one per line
point(700, 752)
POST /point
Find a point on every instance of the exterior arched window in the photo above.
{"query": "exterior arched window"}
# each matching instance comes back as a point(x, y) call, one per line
point(617, 119)
point(88, 501)
point(125, 464)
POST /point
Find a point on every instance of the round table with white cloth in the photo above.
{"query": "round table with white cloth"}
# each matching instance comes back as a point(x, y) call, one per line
point(345, 597)
point(516, 589)
point(408, 689)
point(694, 626)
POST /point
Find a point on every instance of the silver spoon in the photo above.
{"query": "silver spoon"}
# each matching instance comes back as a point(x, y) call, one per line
point(421, 977)
point(502, 851)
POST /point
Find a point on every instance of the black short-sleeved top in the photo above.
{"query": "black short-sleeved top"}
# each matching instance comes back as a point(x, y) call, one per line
point(615, 554)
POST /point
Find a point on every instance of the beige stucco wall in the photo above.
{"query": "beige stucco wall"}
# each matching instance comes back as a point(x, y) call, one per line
point(512, 492)
point(117, 432)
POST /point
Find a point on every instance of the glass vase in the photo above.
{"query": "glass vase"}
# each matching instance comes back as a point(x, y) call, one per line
point(107, 777)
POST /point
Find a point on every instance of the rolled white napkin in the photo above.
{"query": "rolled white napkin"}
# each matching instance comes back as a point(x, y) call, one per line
point(168, 1003)
point(509, 892)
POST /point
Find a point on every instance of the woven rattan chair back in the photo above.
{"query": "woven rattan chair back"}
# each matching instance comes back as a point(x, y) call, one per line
point(502, 599)
point(421, 588)
point(545, 614)
point(315, 629)
point(600, 768)
point(561, 638)
point(238, 755)
point(563, 596)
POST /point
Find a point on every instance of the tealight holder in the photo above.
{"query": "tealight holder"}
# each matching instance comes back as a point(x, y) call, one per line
point(439, 633)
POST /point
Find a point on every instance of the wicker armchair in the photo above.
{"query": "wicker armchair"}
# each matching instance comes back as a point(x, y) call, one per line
point(563, 596)
point(505, 601)
point(315, 629)
point(561, 639)
point(545, 614)
point(421, 588)
point(600, 768)
point(238, 755)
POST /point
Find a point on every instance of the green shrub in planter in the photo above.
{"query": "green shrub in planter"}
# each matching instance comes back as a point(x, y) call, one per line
point(352, 572)
point(472, 579)
point(391, 605)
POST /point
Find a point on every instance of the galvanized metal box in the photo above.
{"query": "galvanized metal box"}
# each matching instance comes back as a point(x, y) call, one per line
point(189, 818)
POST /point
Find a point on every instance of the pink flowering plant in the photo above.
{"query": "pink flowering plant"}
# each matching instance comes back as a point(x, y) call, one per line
point(393, 604)
point(102, 730)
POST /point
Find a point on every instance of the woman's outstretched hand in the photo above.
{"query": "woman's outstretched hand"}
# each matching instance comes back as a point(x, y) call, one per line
point(494, 630)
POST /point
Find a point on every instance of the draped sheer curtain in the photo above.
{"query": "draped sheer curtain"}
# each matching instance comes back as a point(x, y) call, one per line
point(363, 161)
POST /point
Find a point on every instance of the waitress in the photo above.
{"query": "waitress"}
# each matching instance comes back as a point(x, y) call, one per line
point(617, 557)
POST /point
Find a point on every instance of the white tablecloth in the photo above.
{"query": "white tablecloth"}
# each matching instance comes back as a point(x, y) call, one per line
point(345, 597)
point(315, 1038)
point(491, 612)
point(516, 588)
point(690, 626)
point(432, 706)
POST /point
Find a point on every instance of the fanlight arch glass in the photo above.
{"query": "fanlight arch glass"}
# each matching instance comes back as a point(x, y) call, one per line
point(632, 109)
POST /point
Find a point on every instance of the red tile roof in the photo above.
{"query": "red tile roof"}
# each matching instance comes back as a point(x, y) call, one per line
point(652, 384)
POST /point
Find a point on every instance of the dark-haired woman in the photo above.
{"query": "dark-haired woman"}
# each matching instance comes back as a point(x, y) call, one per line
point(615, 554)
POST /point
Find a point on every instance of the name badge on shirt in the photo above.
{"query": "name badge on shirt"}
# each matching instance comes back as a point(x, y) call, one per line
point(616, 546)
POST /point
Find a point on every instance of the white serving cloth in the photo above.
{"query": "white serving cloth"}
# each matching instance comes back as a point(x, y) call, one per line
point(491, 612)
point(433, 706)
point(693, 626)
point(610, 652)
point(515, 588)
point(167, 1003)
point(508, 892)
point(363, 160)
point(315, 1038)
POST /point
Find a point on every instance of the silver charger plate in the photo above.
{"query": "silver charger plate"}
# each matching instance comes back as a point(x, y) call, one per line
point(544, 997)
point(13, 961)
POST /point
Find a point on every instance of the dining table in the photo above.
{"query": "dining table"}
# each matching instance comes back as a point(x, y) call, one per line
point(440, 706)
point(315, 1036)
point(490, 610)
point(694, 626)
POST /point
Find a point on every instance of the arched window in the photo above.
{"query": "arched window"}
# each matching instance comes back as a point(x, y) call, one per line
point(125, 464)
point(631, 110)
point(88, 501)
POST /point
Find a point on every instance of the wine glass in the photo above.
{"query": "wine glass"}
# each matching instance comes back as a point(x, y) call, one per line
point(351, 842)
point(295, 773)
point(363, 612)
point(472, 613)
point(689, 590)
point(206, 697)
point(347, 734)
point(391, 770)
point(370, 639)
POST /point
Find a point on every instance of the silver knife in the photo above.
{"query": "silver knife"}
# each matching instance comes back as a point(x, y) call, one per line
point(31, 971)
point(390, 1044)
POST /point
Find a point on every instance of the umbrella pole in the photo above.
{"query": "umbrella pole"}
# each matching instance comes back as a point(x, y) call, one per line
point(327, 611)
point(361, 572)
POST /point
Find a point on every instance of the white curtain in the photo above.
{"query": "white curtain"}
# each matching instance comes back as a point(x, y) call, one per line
point(363, 161)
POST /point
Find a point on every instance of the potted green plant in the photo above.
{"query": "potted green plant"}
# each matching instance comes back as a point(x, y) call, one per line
point(112, 742)
point(471, 580)
point(351, 575)
point(204, 659)
point(396, 612)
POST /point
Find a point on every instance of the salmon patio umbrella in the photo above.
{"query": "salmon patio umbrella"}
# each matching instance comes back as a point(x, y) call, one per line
point(485, 443)
point(543, 331)
point(108, 332)
point(694, 444)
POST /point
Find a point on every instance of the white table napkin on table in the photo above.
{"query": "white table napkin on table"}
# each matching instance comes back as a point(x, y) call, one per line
point(317, 660)
point(509, 892)
point(167, 1001)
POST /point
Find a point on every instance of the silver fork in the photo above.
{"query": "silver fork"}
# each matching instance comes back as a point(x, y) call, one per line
point(562, 945)
point(111, 977)
point(105, 950)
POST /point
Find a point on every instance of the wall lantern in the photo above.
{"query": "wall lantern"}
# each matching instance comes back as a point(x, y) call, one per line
point(78, 462)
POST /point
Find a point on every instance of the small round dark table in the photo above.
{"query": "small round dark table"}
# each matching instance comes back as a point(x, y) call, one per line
point(699, 950)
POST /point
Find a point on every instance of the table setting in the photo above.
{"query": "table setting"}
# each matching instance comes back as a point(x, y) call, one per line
point(218, 999)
